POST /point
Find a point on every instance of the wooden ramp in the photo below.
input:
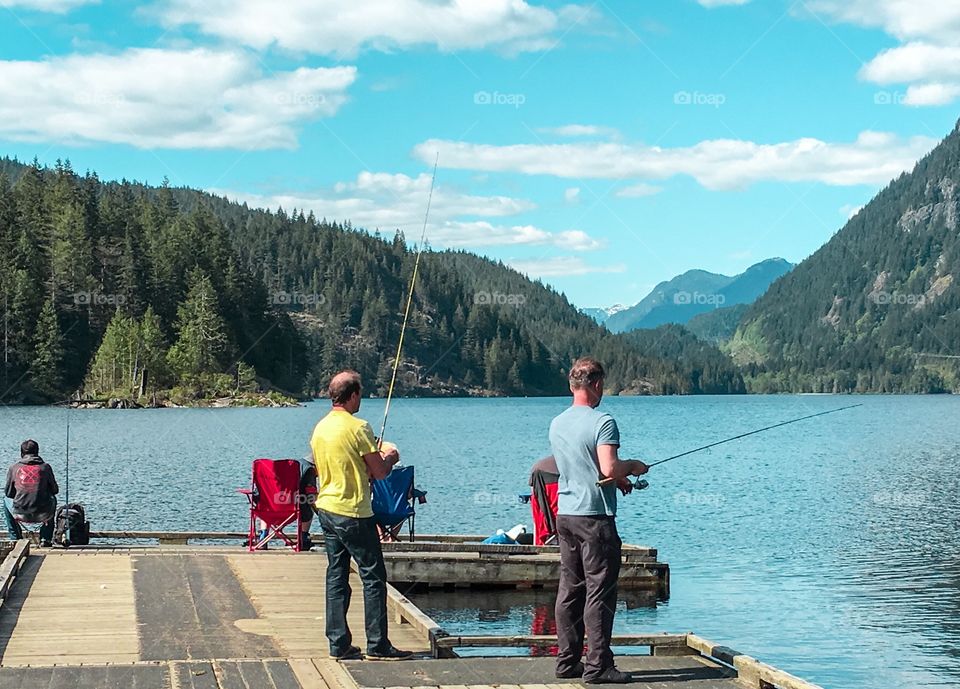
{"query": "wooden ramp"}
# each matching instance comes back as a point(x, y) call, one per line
point(689, 672)
point(182, 617)
point(120, 606)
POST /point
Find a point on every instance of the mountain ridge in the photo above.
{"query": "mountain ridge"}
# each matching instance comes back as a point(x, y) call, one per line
point(224, 297)
point(877, 307)
point(697, 291)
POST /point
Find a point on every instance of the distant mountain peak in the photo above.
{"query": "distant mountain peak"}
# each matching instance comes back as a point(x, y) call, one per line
point(697, 291)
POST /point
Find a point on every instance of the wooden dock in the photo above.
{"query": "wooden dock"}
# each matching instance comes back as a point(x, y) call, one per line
point(207, 617)
point(453, 561)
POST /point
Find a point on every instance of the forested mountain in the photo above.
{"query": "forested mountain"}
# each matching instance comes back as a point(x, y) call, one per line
point(695, 292)
point(877, 308)
point(120, 289)
point(719, 325)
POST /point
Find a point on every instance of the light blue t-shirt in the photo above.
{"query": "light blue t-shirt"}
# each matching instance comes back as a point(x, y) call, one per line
point(574, 436)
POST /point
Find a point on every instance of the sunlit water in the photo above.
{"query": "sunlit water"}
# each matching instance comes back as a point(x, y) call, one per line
point(829, 548)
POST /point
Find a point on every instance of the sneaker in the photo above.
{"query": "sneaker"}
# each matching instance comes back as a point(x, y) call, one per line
point(573, 673)
point(352, 653)
point(610, 676)
point(46, 544)
point(391, 654)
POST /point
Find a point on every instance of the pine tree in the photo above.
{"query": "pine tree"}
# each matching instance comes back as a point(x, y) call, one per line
point(202, 339)
point(46, 375)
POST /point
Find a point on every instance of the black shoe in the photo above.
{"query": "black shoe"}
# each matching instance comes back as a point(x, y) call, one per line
point(46, 544)
point(352, 653)
point(610, 676)
point(305, 542)
point(391, 654)
point(573, 673)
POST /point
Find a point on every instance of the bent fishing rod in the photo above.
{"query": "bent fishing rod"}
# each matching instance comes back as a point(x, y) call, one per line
point(641, 484)
point(406, 312)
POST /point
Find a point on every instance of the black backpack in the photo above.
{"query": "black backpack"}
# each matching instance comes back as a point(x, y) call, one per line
point(72, 527)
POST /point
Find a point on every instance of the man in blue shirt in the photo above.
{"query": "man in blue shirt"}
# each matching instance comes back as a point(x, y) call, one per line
point(585, 443)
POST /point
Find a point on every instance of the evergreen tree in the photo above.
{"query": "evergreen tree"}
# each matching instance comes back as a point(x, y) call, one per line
point(46, 380)
point(202, 339)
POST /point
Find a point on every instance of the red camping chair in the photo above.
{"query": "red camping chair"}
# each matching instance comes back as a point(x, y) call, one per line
point(274, 497)
point(544, 515)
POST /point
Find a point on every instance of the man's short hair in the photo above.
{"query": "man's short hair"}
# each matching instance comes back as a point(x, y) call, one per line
point(29, 448)
point(343, 386)
point(585, 371)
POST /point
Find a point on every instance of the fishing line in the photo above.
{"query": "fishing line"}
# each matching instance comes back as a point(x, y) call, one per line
point(406, 313)
point(608, 481)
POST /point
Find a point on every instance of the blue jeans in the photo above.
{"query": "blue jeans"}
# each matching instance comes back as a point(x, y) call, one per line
point(15, 531)
point(346, 537)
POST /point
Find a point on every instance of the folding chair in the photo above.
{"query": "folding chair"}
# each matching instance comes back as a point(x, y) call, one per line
point(543, 507)
point(30, 529)
point(394, 498)
point(274, 497)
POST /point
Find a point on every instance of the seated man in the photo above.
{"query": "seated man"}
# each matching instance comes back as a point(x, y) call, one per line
point(30, 493)
point(308, 497)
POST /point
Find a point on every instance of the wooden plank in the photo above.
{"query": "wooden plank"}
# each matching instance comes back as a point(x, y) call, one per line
point(544, 640)
point(406, 612)
point(307, 674)
point(288, 594)
point(39, 626)
point(11, 565)
point(335, 676)
point(750, 671)
point(187, 608)
point(423, 543)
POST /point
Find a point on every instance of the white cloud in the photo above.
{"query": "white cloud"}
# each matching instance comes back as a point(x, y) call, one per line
point(916, 61)
point(396, 201)
point(848, 210)
point(561, 266)
point(931, 94)
point(873, 158)
point(572, 195)
point(345, 27)
point(903, 19)
point(155, 98)
point(928, 59)
point(577, 130)
point(478, 233)
point(639, 190)
point(56, 6)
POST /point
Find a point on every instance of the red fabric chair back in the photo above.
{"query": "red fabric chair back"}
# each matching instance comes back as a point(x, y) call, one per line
point(276, 487)
point(541, 530)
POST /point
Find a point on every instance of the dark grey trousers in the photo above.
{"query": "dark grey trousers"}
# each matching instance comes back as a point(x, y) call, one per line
point(587, 597)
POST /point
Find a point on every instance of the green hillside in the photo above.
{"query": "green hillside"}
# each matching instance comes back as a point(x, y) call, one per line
point(119, 289)
point(877, 308)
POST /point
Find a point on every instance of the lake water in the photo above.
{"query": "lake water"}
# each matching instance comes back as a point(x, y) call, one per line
point(830, 548)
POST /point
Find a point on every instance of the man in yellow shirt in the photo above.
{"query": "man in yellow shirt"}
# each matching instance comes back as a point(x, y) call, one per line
point(346, 457)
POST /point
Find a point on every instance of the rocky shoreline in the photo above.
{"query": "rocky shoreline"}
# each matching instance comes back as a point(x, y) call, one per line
point(258, 400)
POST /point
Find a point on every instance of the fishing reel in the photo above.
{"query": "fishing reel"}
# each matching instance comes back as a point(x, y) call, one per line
point(639, 484)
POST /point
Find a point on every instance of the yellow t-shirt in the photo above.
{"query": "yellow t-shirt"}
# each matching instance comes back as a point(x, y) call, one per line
point(339, 443)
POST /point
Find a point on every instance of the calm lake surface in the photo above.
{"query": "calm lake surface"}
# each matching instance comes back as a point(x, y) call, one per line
point(830, 548)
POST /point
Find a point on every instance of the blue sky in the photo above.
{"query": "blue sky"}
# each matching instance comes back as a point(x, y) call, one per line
point(602, 146)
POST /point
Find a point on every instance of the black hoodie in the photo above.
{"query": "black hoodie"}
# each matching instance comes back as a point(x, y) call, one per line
point(31, 485)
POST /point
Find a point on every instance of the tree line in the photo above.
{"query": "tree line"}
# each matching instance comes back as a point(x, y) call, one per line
point(122, 289)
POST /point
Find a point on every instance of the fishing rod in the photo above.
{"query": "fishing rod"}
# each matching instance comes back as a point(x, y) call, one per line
point(406, 313)
point(67, 475)
point(641, 484)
